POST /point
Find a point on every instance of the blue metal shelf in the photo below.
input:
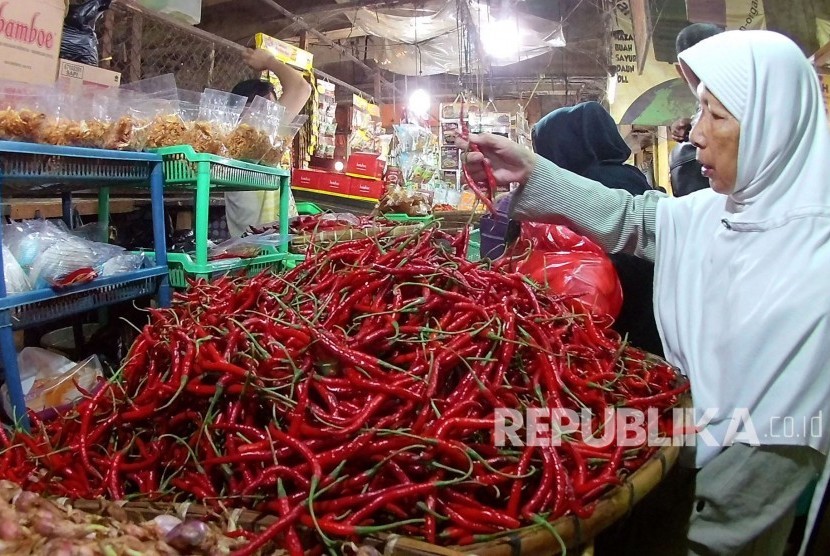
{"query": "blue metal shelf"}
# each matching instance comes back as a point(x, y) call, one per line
point(28, 165)
point(41, 306)
point(23, 164)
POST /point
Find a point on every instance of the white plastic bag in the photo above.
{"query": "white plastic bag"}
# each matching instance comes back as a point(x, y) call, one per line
point(29, 238)
point(125, 262)
point(71, 261)
point(16, 281)
point(49, 379)
point(248, 246)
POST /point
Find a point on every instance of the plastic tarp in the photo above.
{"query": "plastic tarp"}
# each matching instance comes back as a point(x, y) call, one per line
point(424, 41)
point(186, 11)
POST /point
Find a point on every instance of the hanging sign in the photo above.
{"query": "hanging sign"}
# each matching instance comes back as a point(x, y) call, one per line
point(650, 92)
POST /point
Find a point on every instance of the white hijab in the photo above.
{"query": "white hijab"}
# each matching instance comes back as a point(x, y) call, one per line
point(742, 282)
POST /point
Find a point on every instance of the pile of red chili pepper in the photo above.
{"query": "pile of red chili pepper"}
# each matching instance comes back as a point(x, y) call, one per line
point(353, 395)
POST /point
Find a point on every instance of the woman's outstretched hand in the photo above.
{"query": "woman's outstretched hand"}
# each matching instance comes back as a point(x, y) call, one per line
point(510, 161)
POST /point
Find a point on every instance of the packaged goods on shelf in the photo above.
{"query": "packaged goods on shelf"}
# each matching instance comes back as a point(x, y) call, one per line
point(219, 112)
point(326, 122)
point(285, 136)
point(257, 131)
point(147, 115)
point(49, 381)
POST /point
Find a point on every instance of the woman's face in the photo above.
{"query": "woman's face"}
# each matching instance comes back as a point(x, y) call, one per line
point(716, 135)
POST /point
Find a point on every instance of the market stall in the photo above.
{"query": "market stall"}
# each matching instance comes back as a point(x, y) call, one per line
point(347, 376)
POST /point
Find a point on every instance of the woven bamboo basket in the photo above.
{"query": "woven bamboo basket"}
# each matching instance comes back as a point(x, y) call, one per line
point(533, 540)
point(456, 220)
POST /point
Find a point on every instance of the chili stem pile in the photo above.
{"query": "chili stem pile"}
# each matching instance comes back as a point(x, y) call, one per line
point(354, 395)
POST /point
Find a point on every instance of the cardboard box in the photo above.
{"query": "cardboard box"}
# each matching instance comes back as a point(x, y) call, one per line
point(76, 76)
point(335, 182)
point(362, 187)
point(309, 179)
point(30, 39)
point(365, 165)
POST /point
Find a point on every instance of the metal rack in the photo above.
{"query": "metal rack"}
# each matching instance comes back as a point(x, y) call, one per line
point(45, 170)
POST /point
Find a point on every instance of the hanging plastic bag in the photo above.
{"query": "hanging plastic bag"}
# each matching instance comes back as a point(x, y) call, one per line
point(248, 246)
point(186, 11)
point(79, 42)
point(570, 264)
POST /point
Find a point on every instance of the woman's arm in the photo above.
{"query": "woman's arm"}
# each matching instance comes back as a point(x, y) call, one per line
point(614, 218)
point(617, 220)
point(295, 89)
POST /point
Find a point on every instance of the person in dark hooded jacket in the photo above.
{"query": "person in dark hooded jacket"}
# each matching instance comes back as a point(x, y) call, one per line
point(584, 139)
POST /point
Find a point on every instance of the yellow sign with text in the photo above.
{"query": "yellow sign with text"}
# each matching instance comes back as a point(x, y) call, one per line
point(657, 96)
point(825, 90)
point(286, 53)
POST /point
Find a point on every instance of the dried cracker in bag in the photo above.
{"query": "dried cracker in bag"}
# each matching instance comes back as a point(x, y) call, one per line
point(65, 123)
point(167, 128)
point(283, 141)
point(257, 130)
point(128, 131)
point(21, 112)
point(99, 120)
point(144, 105)
point(219, 114)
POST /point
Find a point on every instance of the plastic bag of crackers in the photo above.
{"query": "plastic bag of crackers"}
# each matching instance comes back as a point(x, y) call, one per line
point(257, 131)
point(128, 131)
point(219, 114)
point(167, 127)
point(21, 112)
point(282, 145)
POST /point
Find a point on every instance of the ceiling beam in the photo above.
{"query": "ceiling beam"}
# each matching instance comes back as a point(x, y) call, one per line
point(642, 29)
point(305, 26)
point(348, 6)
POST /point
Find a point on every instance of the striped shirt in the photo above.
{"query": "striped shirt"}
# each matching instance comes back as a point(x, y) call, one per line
point(615, 219)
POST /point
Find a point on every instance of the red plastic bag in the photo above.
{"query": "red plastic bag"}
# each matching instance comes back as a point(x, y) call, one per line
point(570, 264)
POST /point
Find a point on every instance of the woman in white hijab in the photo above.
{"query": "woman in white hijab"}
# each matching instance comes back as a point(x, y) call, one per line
point(741, 280)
